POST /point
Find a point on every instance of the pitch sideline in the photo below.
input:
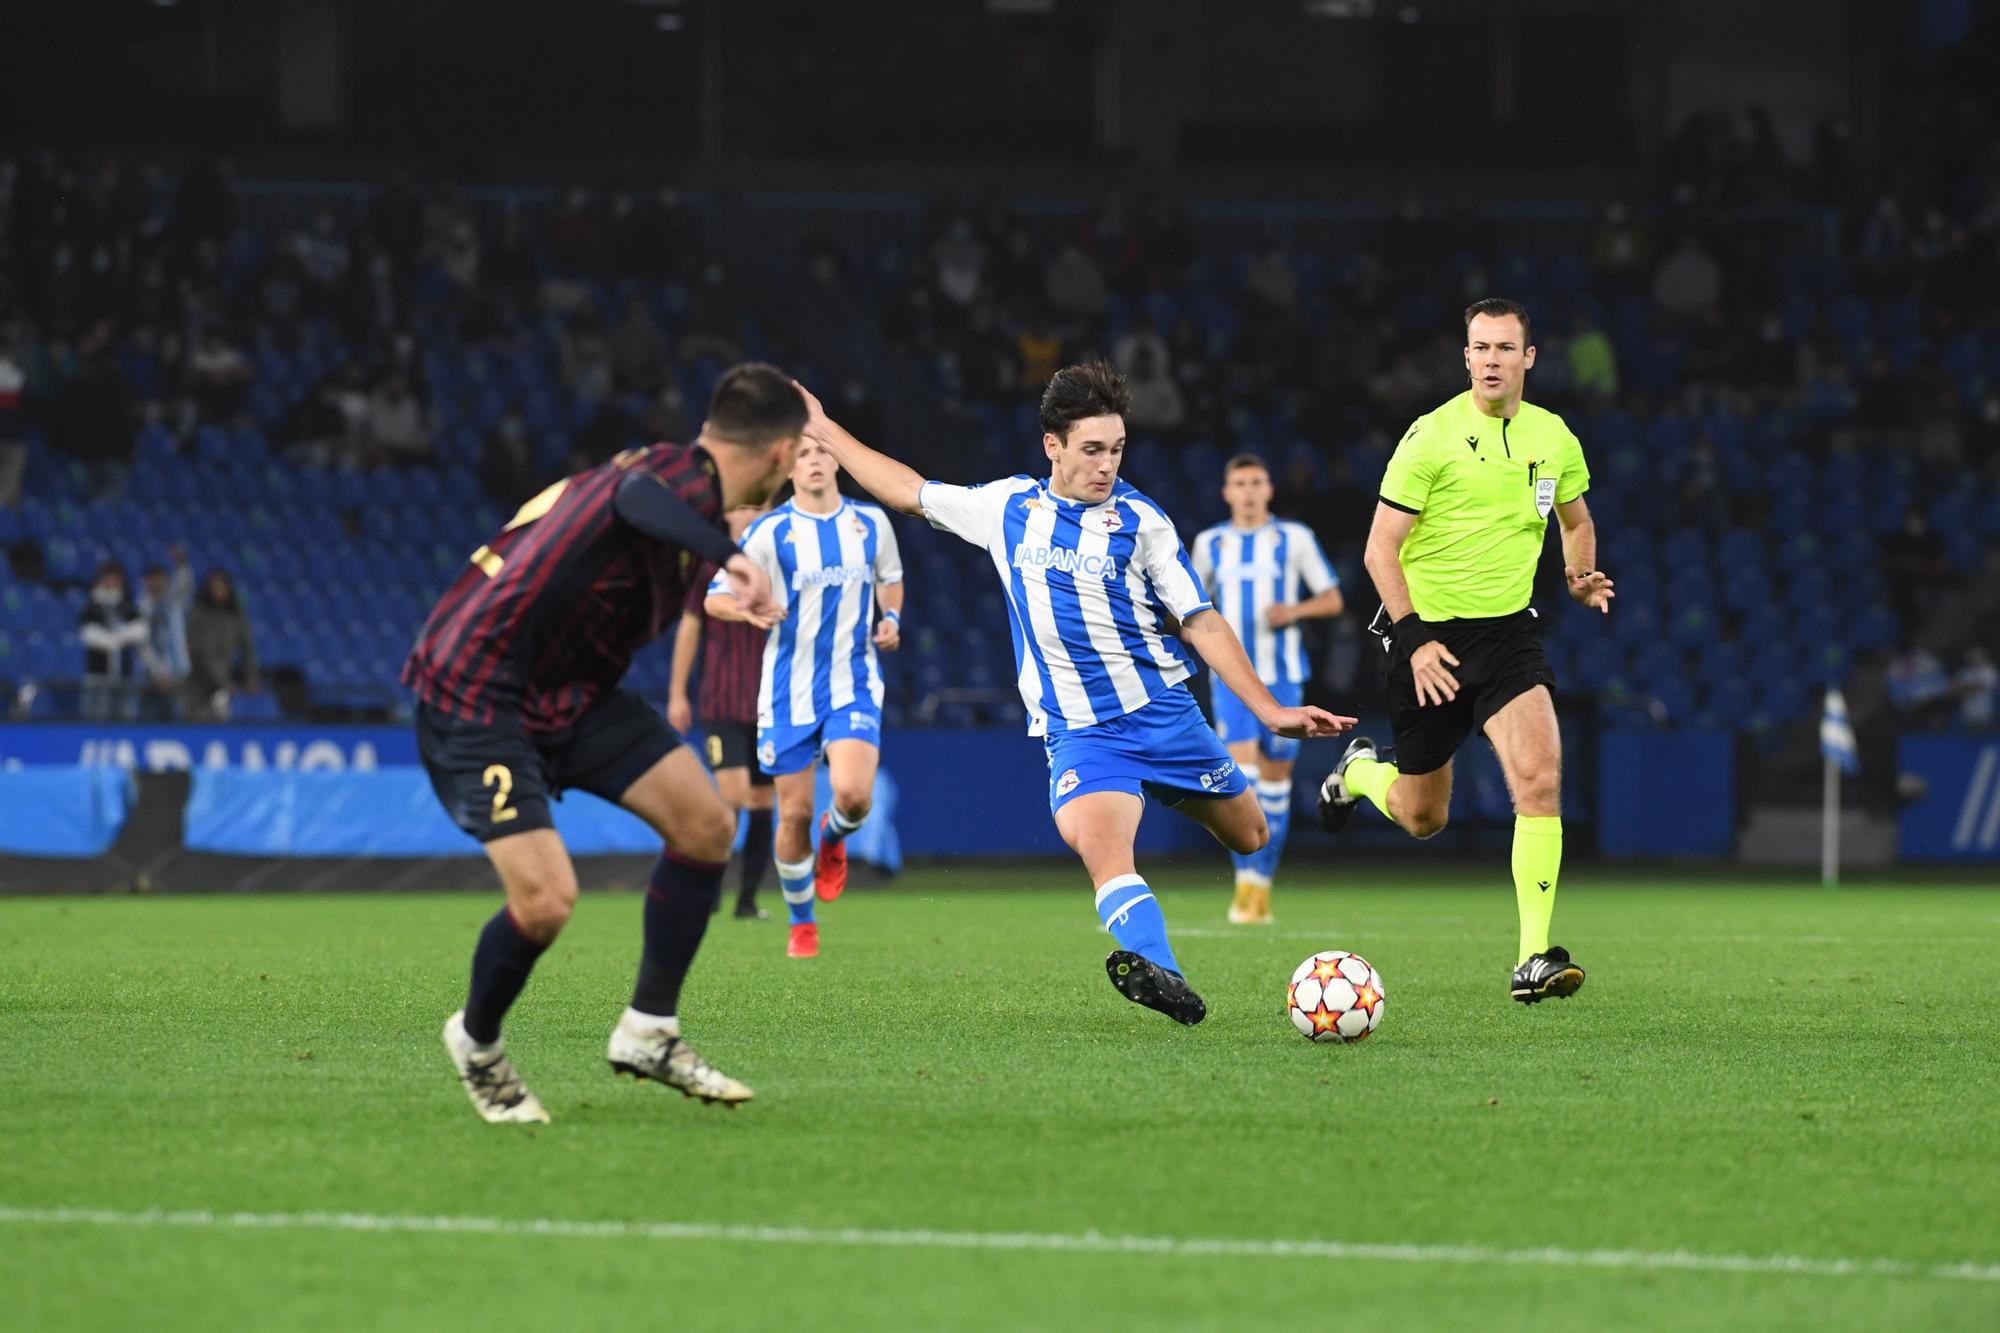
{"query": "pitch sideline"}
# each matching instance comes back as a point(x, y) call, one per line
point(1088, 1242)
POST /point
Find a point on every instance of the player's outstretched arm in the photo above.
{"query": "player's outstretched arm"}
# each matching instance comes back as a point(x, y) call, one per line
point(896, 485)
point(1209, 634)
point(1587, 583)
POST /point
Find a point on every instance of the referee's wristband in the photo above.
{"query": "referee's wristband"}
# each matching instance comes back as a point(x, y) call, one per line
point(1411, 633)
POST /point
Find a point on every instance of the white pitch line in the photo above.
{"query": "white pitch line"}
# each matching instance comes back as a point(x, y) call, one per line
point(1089, 1242)
point(1460, 937)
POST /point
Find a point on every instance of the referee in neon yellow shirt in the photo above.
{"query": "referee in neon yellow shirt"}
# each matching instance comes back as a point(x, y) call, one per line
point(1464, 504)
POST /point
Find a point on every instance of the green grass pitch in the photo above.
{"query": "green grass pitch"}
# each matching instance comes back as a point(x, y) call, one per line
point(1752, 1071)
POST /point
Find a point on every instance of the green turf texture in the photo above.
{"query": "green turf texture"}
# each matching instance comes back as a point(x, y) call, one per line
point(1749, 1070)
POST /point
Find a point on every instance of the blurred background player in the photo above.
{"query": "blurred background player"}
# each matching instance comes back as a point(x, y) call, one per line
point(732, 657)
point(517, 675)
point(1096, 583)
point(832, 560)
point(1253, 566)
point(1464, 506)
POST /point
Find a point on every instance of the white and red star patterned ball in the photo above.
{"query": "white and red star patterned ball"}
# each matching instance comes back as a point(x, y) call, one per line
point(1335, 996)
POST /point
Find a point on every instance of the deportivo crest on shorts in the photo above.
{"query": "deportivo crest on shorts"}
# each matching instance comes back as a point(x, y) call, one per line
point(767, 753)
point(1067, 782)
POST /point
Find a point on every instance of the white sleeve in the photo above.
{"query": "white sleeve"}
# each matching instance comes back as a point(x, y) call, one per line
point(101, 637)
point(1171, 572)
point(762, 547)
point(1311, 562)
point(1204, 560)
point(970, 512)
point(888, 556)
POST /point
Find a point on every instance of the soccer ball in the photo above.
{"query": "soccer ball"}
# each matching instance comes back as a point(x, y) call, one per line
point(1335, 996)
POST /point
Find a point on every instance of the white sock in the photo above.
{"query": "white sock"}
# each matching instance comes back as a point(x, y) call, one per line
point(637, 1023)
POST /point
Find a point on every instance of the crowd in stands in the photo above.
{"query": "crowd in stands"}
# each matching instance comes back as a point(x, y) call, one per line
point(1782, 383)
point(1791, 401)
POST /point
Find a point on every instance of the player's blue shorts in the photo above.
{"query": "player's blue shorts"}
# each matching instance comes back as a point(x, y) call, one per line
point(1235, 722)
point(1165, 750)
point(793, 749)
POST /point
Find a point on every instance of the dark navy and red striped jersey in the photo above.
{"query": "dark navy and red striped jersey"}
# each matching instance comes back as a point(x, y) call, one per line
point(545, 619)
point(732, 663)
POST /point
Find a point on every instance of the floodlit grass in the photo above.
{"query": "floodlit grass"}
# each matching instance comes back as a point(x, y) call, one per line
point(1750, 1071)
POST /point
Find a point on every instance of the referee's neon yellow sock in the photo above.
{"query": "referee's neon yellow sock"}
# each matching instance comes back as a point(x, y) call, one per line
point(1371, 778)
point(1538, 857)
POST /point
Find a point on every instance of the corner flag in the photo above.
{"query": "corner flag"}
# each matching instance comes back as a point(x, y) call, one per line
point(1836, 734)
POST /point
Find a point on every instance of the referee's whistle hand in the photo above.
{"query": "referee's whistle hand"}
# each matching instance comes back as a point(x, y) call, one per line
point(1435, 685)
point(1591, 588)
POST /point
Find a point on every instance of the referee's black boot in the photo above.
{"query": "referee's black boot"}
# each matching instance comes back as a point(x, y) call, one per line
point(1336, 802)
point(1545, 974)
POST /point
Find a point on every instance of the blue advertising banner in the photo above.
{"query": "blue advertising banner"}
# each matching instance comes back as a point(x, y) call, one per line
point(1958, 816)
point(63, 811)
point(394, 812)
point(1666, 793)
point(168, 747)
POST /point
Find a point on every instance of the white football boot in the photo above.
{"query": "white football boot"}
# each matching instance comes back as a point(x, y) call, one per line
point(646, 1046)
point(496, 1091)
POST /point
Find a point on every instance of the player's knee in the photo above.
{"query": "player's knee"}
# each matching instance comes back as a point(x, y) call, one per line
point(1427, 822)
point(542, 907)
point(853, 802)
point(709, 835)
point(1538, 792)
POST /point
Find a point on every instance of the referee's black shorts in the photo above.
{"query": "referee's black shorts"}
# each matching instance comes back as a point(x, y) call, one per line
point(1499, 660)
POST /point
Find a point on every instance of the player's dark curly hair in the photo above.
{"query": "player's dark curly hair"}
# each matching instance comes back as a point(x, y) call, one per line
point(755, 404)
point(1499, 307)
point(1092, 389)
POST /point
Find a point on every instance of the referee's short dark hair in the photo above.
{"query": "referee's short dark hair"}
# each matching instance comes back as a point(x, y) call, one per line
point(1092, 389)
point(755, 404)
point(1499, 307)
point(1241, 461)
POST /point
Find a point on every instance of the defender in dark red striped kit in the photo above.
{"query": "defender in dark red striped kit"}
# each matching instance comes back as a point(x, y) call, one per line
point(516, 674)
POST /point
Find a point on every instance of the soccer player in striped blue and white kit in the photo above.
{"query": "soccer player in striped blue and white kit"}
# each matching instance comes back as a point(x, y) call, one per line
point(1253, 566)
point(1098, 591)
point(831, 560)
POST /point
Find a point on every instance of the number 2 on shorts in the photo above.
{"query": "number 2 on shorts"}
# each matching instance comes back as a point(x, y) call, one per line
point(501, 779)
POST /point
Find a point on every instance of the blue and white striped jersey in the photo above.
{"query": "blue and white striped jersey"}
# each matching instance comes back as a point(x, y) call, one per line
point(1249, 572)
point(1092, 591)
point(821, 656)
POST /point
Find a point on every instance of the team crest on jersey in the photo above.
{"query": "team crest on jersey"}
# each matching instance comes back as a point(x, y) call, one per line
point(1107, 520)
point(1545, 496)
point(1067, 782)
